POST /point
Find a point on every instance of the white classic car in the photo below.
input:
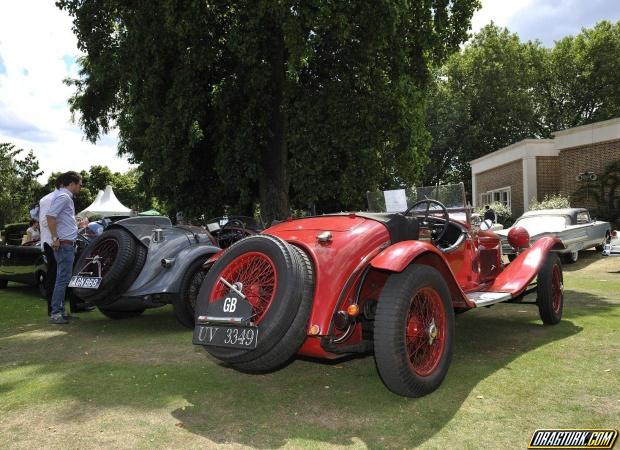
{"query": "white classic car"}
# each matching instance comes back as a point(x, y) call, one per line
point(612, 247)
point(573, 226)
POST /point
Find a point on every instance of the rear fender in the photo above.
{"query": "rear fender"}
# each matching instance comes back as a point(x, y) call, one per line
point(168, 280)
point(397, 257)
point(520, 272)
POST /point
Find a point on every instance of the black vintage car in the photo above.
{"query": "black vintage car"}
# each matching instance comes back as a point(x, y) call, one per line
point(28, 263)
point(23, 264)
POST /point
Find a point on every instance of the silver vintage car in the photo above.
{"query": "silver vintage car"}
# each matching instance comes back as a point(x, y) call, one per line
point(573, 226)
point(146, 262)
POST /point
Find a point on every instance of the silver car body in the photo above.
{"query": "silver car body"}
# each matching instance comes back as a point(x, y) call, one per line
point(171, 249)
point(573, 226)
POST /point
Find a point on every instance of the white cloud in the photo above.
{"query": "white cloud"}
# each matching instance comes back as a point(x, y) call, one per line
point(545, 20)
point(498, 11)
point(37, 48)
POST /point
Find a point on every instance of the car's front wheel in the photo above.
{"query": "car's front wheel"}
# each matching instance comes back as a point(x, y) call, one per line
point(414, 331)
point(571, 257)
point(550, 290)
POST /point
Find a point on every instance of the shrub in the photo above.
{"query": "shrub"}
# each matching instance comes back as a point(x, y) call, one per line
point(503, 213)
point(556, 201)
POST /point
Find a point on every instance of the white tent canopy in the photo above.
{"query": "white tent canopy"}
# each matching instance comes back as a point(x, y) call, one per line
point(106, 204)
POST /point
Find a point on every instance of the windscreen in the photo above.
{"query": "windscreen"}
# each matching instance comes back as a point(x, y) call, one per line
point(452, 196)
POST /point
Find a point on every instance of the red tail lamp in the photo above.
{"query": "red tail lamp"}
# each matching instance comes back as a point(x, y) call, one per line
point(519, 238)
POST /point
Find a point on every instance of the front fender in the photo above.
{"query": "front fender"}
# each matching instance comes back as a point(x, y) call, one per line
point(520, 272)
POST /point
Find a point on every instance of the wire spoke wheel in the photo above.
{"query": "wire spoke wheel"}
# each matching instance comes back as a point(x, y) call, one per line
point(255, 273)
point(428, 320)
point(107, 250)
point(414, 331)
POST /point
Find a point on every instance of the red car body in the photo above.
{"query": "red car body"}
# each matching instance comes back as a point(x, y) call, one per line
point(359, 258)
point(354, 266)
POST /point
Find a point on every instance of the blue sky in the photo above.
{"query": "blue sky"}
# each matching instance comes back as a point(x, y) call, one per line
point(38, 50)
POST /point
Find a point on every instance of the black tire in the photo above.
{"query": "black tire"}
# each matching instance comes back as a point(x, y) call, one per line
point(550, 290)
point(121, 267)
point(292, 340)
point(284, 302)
point(417, 288)
point(571, 257)
point(184, 304)
point(3, 284)
point(43, 286)
point(119, 315)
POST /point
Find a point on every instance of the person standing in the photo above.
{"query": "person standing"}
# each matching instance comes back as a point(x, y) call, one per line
point(63, 230)
point(489, 214)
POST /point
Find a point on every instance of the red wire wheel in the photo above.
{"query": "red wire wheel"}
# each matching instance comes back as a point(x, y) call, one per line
point(426, 324)
point(557, 289)
point(276, 281)
point(257, 274)
point(550, 290)
point(414, 331)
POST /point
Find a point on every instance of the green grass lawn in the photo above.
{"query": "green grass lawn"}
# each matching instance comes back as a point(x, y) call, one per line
point(140, 383)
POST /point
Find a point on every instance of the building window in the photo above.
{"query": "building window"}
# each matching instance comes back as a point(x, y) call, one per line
point(501, 195)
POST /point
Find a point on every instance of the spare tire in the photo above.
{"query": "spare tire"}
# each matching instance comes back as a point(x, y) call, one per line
point(122, 259)
point(292, 340)
point(273, 280)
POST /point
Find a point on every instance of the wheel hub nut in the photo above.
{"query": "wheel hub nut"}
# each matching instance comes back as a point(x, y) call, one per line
point(432, 332)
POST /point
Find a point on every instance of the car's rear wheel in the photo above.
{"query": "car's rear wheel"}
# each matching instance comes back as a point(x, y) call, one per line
point(184, 304)
point(121, 258)
point(571, 257)
point(550, 290)
point(119, 315)
point(601, 246)
point(3, 284)
point(414, 331)
point(272, 279)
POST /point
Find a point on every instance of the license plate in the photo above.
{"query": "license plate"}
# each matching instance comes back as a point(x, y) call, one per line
point(85, 282)
point(226, 336)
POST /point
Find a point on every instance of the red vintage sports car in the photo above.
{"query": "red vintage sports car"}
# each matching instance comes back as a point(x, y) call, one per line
point(386, 282)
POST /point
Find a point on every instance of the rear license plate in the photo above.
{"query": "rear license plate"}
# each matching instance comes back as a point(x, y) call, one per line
point(85, 282)
point(226, 336)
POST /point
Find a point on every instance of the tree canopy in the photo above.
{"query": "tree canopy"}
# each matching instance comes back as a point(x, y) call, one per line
point(498, 90)
point(264, 101)
point(18, 183)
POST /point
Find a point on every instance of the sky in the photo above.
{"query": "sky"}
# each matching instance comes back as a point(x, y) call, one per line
point(38, 51)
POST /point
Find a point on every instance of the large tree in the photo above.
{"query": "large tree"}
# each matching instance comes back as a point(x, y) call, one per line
point(578, 82)
point(251, 101)
point(18, 183)
point(499, 90)
point(482, 100)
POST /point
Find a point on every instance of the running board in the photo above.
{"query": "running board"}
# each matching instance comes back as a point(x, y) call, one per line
point(481, 298)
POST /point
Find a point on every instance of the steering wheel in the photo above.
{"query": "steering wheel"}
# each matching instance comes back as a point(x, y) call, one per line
point(436, 225)
point(233, 231)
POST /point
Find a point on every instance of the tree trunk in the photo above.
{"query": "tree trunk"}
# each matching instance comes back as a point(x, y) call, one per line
point(274, 179)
